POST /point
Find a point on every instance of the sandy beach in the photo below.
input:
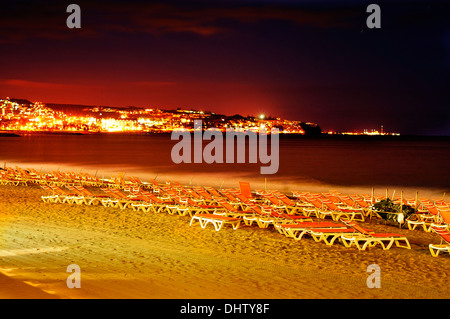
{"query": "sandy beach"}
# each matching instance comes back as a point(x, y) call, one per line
point(129, 254)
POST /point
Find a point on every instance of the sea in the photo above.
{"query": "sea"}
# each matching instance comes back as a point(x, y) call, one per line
point(348, 164)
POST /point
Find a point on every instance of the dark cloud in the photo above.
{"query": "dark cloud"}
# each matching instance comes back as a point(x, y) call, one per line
point(47, 20)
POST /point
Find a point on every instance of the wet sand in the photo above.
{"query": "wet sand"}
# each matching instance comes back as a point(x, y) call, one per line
point(128, 254)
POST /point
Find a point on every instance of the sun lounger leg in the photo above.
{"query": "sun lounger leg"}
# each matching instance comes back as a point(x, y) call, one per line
point(192, 220)
point(218, 225)
point(325, 239)
point(367, 244)
point(434, 252)
point(299, 235)
point(333, 240)
point(317, 238)
point(406, 243)
point(389, 245)
point(347, 241)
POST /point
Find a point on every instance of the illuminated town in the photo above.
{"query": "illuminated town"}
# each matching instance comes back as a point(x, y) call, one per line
point(20, 115)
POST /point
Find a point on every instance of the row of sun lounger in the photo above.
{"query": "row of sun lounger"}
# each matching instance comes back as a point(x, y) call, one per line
point(19, 176)
point(302, 214)
point(431, 216)
point(295, 226)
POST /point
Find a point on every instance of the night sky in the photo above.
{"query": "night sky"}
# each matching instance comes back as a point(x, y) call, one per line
point(302, 60)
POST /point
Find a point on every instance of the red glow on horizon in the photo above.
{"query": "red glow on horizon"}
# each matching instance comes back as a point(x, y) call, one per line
point(222, 98)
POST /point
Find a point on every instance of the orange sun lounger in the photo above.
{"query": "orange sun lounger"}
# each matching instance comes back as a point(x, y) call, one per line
point(217, 220)
point(444, 247)
point(329, 235)
point(297, 231)
point(363, 239)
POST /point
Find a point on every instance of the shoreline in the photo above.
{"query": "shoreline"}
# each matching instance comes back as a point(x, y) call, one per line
point(128, 254)
point(224, 180)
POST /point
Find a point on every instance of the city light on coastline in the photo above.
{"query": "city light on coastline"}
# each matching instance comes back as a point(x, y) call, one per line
point(23, 115)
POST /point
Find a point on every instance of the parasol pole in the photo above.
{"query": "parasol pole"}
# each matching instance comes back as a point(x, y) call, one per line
point(371, 207)
point(401, 207)
point(416, 201)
